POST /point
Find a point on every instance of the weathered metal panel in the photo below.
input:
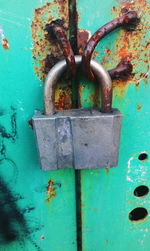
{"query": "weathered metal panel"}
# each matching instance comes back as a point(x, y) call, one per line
point(107, 196)
point(37, 209)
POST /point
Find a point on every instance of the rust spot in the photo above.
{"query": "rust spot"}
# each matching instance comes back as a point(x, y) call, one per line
point(139, 107)
point(107, 170)
point(51, 191)
point(137, 85)
point(30, 123)
point(107, 51)
point(63, 98)
point(83, 37)
point(5, 44)
point(95, 54)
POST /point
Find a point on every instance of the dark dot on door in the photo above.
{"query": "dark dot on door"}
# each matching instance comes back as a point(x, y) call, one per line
point(143, 156)
point(137, 214)
point(141, 191)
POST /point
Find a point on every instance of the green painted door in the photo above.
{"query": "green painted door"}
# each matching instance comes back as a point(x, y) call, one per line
point(91, 210)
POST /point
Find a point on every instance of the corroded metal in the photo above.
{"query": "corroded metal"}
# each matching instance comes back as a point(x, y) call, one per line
point(127, 21)
point(55, 29)
point(122, 71)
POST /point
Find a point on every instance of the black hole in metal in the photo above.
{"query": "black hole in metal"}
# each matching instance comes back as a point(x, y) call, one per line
point(143, 156)
point(141, 191)
point(137, 214)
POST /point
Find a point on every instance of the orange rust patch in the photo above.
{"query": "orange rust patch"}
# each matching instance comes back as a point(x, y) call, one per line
point(5, 44)
point(95, 54)
point(41, 46)
point(51, 191)
point(131, 45)
point(108, 51)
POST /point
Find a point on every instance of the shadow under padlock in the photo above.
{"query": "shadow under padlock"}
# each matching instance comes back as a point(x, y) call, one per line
point(78, 138)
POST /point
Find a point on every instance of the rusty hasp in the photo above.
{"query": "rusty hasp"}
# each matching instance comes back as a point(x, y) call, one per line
point(56, 31)
point(122, 71)
point(128, 21)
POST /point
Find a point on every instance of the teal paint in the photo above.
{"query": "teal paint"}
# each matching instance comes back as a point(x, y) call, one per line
point(108, 195)
point(44, 225)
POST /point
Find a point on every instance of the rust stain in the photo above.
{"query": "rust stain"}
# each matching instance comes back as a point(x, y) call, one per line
point(131, 45)
point(82, 37)
point(51, 191)
point(63, 98)
point(5, 44)
point(4, 41)
point(43, 49)
point(139, 107)
point(95, 54)
point(107, 170)
point(108, 51)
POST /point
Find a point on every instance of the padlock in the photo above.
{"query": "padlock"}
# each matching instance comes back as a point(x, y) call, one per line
point(78, 138)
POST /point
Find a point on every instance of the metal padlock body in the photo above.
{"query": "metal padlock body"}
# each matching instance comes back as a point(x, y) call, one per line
point(78, 138)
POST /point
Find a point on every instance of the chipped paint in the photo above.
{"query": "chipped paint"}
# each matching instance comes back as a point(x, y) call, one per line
point(141, 168)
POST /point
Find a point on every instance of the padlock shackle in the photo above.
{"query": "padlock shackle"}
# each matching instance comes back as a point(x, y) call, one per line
point(55, 73)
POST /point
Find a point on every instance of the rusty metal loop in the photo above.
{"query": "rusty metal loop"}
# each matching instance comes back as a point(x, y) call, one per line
point(127, 21)
point(55, 73)
point(55, 29)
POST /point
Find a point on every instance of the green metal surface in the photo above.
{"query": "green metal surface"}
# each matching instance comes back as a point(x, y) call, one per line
point(108, 195)
point(38, 209)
